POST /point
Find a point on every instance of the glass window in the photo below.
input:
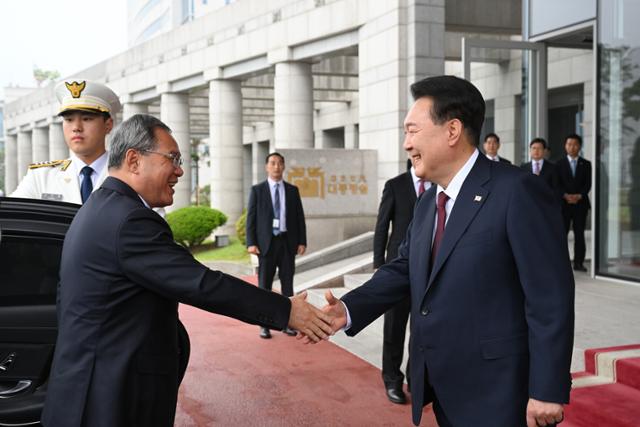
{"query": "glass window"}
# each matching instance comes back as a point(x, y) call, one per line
point(29, 268)
point(618, 166)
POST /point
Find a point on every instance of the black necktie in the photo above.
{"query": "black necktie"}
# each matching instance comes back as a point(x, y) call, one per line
point(276, 208)
point(87, 186)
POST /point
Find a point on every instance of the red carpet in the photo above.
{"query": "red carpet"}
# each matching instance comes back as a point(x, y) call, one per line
point(615, 404)
point(235, 378)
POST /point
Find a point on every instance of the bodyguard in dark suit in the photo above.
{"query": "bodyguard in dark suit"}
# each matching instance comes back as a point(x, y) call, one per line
point(574, 184)
point(491, 146)
point(276, 230)
point(490, 341)
point(396, 210)
point(121, 278)
point(539, 165)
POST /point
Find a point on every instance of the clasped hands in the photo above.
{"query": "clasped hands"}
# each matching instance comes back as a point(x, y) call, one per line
point(316, 324)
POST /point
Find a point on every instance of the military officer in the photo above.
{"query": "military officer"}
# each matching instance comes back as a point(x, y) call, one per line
point(87, 109)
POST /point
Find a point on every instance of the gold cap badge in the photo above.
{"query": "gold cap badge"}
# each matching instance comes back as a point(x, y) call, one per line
point(76, 88)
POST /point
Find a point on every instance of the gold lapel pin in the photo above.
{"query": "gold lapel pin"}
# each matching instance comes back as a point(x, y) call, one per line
point(477, 198)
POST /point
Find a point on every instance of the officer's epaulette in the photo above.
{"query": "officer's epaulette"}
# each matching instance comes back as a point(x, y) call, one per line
point(51, 164)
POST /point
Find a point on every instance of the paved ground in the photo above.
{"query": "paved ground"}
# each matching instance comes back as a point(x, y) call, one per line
point(235, 378)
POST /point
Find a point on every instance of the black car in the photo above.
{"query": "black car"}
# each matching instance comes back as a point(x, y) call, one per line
point(31, 237)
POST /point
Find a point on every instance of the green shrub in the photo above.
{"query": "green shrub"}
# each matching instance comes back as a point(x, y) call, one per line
point(241, 228)
point(192, 224)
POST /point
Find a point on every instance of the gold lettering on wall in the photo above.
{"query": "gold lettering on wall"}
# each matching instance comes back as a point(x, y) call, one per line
point(311, 182)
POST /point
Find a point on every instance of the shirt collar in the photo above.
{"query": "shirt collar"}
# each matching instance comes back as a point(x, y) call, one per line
point(572, 158)
point(272, 182)
point(144, 202)
point(456, 183)
point(98, 164)
point(415, 178)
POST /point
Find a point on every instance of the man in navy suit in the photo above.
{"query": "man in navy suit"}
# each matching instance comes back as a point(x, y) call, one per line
point(121, 278)
point(276, 230)
point(574, 184)
point(490, 341)
point(539, 166)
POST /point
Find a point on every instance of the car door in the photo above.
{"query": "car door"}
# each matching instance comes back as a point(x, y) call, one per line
point(31, 237)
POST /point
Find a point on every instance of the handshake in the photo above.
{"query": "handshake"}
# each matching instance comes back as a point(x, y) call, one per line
point(316, 324)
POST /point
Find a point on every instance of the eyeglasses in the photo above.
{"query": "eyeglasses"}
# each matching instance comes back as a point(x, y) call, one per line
point(176, 159)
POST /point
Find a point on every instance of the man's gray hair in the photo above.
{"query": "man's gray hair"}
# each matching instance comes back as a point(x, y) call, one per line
point(134, 133)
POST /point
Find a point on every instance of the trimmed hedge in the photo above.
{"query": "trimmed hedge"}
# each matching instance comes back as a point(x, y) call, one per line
point(241, 228)
point(192, 224)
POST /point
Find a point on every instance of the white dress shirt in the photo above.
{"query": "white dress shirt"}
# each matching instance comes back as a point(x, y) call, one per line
point(99, 165)
point(283, 209)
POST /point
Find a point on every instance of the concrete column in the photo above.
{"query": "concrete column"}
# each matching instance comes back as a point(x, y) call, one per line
point(58, 149)
point(351, 136)
point(386, 72)
point(40, 143)
point(25, 153)
point(225, 148)
point(293, 105)
point(10, 163)
point(130, 108)
point(174, 112)
point(511, 146)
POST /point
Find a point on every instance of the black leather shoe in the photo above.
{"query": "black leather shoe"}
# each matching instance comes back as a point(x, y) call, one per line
point(396, 395)
point(290, 332)
point(265, 333)
point(579, 267)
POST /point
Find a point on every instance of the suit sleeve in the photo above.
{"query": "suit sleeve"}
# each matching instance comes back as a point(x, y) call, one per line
point(586, 185)
point(28, 188)
point(302, 227)
point(252, 236)
point(149, 257)
point(388, 286)
point(536, 235)
point(381, 233)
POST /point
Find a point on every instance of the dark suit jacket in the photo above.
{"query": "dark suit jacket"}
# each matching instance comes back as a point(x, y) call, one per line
point(503, 160)
point(260, 218)
point(489, 324)
point(579, 184)
point(396, 207)
point(547, 173)
point(121, 277)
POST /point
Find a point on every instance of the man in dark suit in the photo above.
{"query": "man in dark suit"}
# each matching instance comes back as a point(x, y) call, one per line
point(490, 341)
point(121, 278)
point(574, 184)
point(491, 146)
point(276, 230)
point(539, 166)
point(396, 209)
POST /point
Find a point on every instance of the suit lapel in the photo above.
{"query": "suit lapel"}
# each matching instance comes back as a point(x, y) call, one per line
point(470, 200)
point(268, 203)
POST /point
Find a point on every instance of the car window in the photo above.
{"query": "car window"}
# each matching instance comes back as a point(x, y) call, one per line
point(29, 270)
